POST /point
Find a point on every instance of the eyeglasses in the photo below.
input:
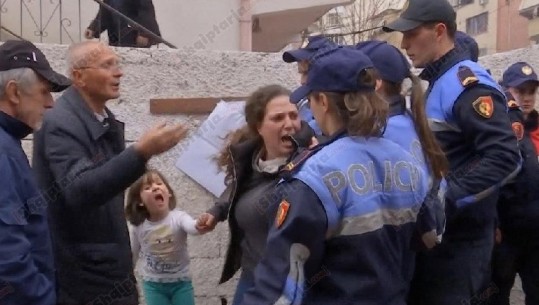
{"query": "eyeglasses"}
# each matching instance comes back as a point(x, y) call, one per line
point(109, 66)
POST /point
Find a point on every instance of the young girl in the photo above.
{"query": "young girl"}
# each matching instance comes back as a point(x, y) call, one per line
point(160, 235)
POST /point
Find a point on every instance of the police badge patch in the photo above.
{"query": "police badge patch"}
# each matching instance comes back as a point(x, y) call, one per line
point(484, 106)
point(518, 129)
point(282, 213)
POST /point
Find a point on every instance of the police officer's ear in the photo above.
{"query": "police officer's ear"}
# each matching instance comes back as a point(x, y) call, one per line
point(322, 100)
point(440, 28)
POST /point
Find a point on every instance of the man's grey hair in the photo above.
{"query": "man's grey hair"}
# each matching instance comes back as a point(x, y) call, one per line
point(82, 53)
point(25, 77)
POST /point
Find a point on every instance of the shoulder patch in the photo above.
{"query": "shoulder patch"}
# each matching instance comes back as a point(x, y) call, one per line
point(284, 206)
point(518, 129)
point(466, 77)
point(484, 106)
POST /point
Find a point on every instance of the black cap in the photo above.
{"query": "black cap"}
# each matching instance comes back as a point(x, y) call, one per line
point(16, 54)
point(418, 12)
point(315, 43)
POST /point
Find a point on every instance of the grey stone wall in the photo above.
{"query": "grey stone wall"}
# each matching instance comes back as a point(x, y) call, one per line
point(164, 73)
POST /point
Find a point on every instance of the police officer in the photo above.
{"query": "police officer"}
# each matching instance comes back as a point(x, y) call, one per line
point(410, 131)
point(520, 80)
point(468, 113)
point(517, 249)
point(341, 230)
point(465, 43)
point(301, 57)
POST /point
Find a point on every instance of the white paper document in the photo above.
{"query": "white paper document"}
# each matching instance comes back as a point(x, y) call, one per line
point(197, 159)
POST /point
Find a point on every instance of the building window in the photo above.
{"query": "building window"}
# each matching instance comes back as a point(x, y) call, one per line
point(333, 19)
point(477, 24)
point(457, 3)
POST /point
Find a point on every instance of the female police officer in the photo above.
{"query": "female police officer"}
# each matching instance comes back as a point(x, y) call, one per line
point(348, 207)
point(410, 130)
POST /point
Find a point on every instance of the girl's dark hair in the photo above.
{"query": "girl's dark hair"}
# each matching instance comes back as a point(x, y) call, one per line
point(255, 110)
point(135, 211)
point(431, 149)
point(364, 113)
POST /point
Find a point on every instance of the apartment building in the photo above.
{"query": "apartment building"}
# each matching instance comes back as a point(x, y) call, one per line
point(247, 25)
point(360, 20)
point(497, 25)
point(529, 9)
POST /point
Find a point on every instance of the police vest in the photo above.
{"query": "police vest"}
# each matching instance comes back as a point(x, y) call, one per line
point(365, 184)
point(446, 90)
point(401, 130)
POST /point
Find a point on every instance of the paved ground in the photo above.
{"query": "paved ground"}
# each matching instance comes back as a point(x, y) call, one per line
point(517, 296)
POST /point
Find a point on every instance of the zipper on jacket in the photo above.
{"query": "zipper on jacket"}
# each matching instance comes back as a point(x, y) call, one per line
point(234, 180)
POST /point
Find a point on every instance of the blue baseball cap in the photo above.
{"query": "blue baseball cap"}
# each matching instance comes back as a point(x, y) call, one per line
point(334, 69)
point(517, 74)
point(465, 42)
point(388, 60)
point(315, 43)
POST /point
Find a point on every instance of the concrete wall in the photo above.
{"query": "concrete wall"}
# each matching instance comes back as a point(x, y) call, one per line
point(176, 73)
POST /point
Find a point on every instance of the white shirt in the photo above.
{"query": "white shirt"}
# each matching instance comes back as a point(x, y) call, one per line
point(163, 247)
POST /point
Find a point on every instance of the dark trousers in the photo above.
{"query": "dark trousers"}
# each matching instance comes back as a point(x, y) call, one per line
point(518, 252)
point(454, 273)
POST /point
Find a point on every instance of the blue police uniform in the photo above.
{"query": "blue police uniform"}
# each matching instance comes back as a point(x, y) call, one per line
point(518, 214)
point(401, 130)
point(468, 113)
point(353, 198)
point(306, 115)
point(393, 68)
point(315, 44)
point(345, 213)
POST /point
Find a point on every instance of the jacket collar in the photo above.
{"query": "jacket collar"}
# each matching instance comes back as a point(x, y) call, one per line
point(80, 107)
point(13, 126)
point(436, 69)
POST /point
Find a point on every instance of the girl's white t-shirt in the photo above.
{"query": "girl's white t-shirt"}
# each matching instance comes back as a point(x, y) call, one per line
point(163, 247)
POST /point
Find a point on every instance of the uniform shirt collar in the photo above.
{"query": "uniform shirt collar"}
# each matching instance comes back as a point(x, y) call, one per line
point(436, 69)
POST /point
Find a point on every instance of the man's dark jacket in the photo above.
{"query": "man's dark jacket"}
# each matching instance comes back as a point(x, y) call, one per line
point(120, 33)
point(84, 168)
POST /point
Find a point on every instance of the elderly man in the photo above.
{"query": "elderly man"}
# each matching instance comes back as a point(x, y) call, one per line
point(80, 153)
point(26, 262)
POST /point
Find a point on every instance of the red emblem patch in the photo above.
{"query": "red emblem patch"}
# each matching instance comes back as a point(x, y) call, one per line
point(484, 106)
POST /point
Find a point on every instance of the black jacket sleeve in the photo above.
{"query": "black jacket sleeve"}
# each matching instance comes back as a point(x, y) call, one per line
point(294, 248)
point(101, 22)
point(494, 143)
point(85, 181)
point(222, 205)
point(146, 18)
